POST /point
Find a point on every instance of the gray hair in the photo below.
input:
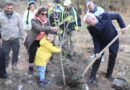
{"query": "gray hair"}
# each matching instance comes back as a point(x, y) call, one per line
point(89, 16)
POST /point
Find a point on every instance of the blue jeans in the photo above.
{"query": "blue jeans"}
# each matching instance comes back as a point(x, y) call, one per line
point(41, 72)
point(14, 46)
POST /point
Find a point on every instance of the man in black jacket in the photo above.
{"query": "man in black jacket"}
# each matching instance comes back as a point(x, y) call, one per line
point(103, 31)
point(2, 61)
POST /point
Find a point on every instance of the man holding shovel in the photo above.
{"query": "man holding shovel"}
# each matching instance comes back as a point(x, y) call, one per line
point(103, 32)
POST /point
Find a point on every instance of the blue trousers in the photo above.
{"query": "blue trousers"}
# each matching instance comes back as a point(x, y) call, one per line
point(41, 72)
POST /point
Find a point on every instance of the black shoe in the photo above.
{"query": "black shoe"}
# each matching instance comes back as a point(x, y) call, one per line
point(71, 57)
point(109, 77)
point(3, 76)
point(30, 70)
point(91, 81)
point(43, 82)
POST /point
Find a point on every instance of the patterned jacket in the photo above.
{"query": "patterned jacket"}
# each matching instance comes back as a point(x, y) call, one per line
point(11, 28)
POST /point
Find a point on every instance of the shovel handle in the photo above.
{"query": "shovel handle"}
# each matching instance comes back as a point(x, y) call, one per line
point(114, 39)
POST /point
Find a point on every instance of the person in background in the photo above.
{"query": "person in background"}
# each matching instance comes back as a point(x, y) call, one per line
point(49, 8)
point(40, 25)
point(97, 11)
point(72, 23)
point(3, 73)
point(11, 29)
point(43, 56)
point(103, 32)
point(93, 8)
point(56, 13)
point(29, 14)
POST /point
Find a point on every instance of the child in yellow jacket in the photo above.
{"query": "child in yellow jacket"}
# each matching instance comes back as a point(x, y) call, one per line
point(43, 55)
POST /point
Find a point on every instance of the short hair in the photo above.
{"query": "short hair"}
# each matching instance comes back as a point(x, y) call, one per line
point(40, 10)
point(89, 2)
point(9, 4)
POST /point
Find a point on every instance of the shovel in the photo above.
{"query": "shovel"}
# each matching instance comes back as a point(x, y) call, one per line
point(75, 82)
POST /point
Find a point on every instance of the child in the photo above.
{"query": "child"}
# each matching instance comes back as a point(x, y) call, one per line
point(43, 55)
point(2, 62)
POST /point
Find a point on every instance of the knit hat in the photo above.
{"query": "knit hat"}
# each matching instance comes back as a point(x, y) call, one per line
point(57, 1)
point(31, 2)
point(67, 2)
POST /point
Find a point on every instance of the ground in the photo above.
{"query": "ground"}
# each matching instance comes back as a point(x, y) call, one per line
point(21, 80)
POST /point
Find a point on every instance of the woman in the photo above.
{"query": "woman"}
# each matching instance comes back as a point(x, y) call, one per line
point(28, 16)
point(39, 24)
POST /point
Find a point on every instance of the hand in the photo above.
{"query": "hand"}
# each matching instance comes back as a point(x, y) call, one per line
point(76, 28)
point(55, 29)
point(22, 39)
point(62, 42)
point(98, 56)
point(123, 31)
point(0, 42)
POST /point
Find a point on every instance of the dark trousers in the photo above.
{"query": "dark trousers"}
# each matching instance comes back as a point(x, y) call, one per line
point(32, 51)
point(2, 62)
point(113, 50)
point(14, 46)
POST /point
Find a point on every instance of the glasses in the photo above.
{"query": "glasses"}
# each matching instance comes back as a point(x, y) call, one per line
point(44, 14)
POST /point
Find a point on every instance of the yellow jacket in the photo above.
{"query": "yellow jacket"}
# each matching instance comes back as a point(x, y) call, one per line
point(44, 52)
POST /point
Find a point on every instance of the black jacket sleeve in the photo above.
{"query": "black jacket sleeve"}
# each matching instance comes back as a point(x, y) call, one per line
point(115, 16)
point(0, 35)
point(118, 18)
point(95, 40)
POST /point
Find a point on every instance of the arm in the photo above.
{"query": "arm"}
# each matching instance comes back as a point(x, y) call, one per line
point(25, 17)
point(25, 24)
point(0, 30)
point(53, 49)
point(40, 28)
point(20, 26)
point(118, 18)
point(95, 41)
point(0, 40)
point(49, 46)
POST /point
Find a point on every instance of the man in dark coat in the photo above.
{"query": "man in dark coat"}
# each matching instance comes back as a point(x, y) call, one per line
point(3, 73)
point(103, 31)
